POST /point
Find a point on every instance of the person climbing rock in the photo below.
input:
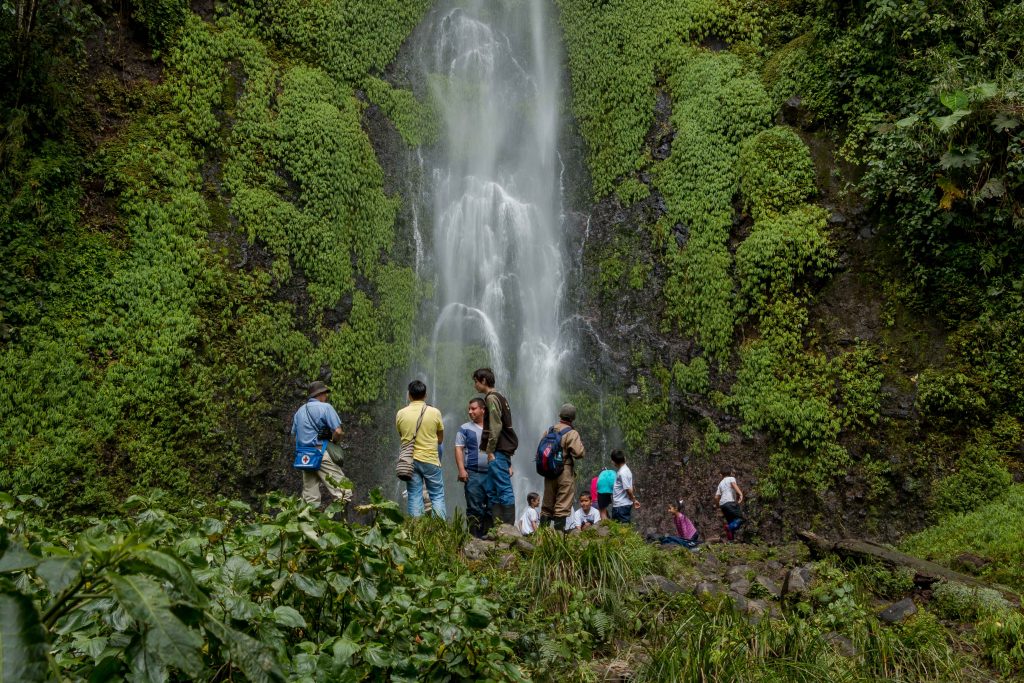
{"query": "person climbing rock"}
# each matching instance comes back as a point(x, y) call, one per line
point(559, 492)
point(729, 497)
point(316, 424)
point(499, 442)
point(472, 464)
point(422, 424)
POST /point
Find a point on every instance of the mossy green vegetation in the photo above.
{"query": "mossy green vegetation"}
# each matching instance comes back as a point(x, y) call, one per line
point(934, 146)
point(250, 246)
point(289, 593)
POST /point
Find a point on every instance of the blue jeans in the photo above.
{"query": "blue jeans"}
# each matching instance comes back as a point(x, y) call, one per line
point(425, 473)
point(477, 504)
point(499, 483)
point(622, 513)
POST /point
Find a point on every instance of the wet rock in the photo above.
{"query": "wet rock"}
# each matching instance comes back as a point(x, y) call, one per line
point(507, 560)
point(837, 218)
point(707, 588)
point(656, 582)
point(841, 643)
point(739, 602)
point(476, 549)
point(768, 585)
point(898, 611)
point(710, 565)
point(602, 530)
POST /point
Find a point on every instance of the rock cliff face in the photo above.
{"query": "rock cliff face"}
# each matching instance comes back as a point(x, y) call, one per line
point(622, 335)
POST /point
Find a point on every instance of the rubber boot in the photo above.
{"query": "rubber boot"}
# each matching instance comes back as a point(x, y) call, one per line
point(504, 514)
point(559, 523)
point(544, 521)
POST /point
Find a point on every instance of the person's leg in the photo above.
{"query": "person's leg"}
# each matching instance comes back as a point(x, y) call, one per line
point(414, 493)
point(622, 514)
point(503, 502)
point(673, 540)
point(565, 487)
point(547, 506)
point(433, 478)
point(476, 502)
point(311, 487)
point(333, 476)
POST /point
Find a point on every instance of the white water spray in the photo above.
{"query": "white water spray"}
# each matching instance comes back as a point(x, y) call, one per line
point(494, 70)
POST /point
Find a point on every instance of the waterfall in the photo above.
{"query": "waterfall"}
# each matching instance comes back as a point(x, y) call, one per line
point(495, 180)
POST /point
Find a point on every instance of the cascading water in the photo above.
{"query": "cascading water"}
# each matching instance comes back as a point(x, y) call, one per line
point(497, 256)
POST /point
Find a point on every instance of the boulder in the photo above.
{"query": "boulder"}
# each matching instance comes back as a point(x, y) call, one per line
point(524, 546)
point(769, 586)
point(507, 560)
point(476, 549)
point(739, 571)
point(506, 532)
point(706, 588)
point(841, 644)
point(655, 582)
point(898, 611)
point(796, 583)
point(740, 586)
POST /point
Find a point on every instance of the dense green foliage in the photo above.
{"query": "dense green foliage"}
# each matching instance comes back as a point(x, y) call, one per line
point(288, 593)
point(925, 103)
point(245, 246)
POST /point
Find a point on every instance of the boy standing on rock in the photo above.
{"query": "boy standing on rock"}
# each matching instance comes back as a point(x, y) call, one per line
point(728, 497)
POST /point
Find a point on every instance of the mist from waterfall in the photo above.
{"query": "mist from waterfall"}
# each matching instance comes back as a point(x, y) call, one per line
point(497, 261)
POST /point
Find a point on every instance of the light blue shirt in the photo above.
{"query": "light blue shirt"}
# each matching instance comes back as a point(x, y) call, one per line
point(310, 418)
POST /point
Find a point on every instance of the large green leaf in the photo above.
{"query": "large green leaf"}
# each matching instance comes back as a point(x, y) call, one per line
point(24, 652)
point(16, 559)
point(251, 656)
point(168, 567)
point(167, 637)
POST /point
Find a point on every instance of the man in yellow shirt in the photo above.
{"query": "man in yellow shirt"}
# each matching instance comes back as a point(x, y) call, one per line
point(422, 424)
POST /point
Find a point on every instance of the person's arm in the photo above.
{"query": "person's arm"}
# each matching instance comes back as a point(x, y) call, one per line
point(493, 425)
point(460, 462)
point(534, 522)
point(739, 493)
point(574, 444)
point(632, 497)
point(333, 423)
point(718, 496)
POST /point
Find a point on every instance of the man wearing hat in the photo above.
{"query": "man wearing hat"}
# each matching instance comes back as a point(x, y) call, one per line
point(313, 423)
point(559, 493)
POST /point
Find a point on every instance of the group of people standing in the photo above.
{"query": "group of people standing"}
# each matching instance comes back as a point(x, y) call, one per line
point(484, 447)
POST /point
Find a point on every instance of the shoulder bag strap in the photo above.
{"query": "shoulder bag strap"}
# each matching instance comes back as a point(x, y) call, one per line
point(418, 423)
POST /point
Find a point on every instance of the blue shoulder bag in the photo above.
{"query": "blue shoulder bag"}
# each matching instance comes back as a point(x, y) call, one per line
point(308, 457)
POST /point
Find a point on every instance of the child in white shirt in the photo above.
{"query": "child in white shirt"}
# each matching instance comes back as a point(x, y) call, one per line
point(530, 519)
point(586, 516)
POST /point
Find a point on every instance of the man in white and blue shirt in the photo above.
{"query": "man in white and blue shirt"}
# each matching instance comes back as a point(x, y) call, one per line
point(472, 464)
point(317, 416)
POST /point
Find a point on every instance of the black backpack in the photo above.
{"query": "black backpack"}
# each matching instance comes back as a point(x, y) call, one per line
point(550, 459)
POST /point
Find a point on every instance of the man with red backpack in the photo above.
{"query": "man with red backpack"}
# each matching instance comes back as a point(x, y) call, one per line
point(559, 448)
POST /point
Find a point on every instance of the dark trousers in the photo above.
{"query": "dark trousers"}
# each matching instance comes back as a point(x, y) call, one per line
point(622, 513)
point(478, 507)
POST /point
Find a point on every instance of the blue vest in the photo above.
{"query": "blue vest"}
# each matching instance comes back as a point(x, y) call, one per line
point(471, 450)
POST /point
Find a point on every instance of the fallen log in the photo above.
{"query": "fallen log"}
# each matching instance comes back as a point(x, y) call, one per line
point(926, 572)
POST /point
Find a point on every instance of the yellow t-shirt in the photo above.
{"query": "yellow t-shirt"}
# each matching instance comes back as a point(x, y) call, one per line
point(425, 448)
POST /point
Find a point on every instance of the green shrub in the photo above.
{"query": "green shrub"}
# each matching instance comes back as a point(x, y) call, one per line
point(980, 477)
point(954, 600)
point(994, 531)
point(775, 171)
point(782, 252)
